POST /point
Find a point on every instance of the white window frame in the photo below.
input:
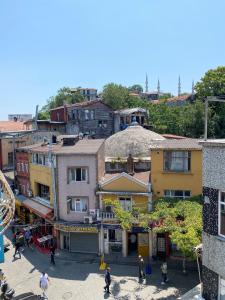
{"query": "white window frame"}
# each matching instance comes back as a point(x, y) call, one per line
point(219, 287)
point(26, 167)
point(79, 200)
point(219, 208)
point(18, 167)
point(177, 197)
point(85, 169)
point(22, 167)
point(126, 199)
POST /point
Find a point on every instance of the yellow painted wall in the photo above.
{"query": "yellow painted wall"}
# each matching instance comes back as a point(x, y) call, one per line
point(40, 174)
point(123, 184)
point(164, 180)
point(140, 202)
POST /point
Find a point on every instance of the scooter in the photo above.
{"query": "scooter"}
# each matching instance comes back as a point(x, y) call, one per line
point(7, 292)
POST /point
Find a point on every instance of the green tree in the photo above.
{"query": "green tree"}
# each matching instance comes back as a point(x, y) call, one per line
point(137, 88)
point(115, 95)
point(64, 95)
point(182, 219)
point(213, 84)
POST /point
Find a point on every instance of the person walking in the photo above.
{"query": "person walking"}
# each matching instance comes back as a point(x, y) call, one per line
point(27, 236)
point(17, 249)
point(164, 272)
point(44, 281)
point(141, 266)
point(52, 254)
point(107, 280)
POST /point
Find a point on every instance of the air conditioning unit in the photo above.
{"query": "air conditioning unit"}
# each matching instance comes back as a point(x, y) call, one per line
point(92, 212)
point(30, 194)
point(88, 220)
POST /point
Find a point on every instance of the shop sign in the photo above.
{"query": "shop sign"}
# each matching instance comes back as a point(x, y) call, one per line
point(76, 228)
point(111, 226)
point(139, 229)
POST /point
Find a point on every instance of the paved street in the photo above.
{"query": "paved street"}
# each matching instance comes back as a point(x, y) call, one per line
point(74, 280)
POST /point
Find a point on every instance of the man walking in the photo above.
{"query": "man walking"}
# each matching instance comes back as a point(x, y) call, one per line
point(44, 280)
point(27, 236)
point(52, 253)
point(164, 272)
point(141, 265)
point(107, 280)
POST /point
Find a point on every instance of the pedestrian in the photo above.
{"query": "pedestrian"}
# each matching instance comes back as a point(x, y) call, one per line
point(141, 265)
point(52, 253)
point(164, 272)
point(27, 236)
point(2, 277)
point(107, 280)
point(44, 280)
point(17, 249)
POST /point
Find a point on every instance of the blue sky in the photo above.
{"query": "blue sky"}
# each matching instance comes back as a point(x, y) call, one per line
point(47, 44)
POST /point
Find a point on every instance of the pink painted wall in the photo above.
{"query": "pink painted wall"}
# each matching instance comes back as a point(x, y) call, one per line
point(76, 189)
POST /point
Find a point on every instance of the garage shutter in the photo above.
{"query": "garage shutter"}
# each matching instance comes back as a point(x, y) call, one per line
point(80, 242)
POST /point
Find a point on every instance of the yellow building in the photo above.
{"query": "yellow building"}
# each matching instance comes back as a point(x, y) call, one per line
point(176, 168)
point(132, 192)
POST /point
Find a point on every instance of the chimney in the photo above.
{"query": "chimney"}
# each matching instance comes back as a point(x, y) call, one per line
point(130, 165)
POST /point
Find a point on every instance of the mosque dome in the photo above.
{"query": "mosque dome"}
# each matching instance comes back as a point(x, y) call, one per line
point(134, 140)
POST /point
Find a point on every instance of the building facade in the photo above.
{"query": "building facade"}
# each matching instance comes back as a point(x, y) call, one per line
point(133, 192)
point(92, 118)
point(125, 117)
point(79, 169)
point(213, 271)
point(176, 168)
point(89, 94)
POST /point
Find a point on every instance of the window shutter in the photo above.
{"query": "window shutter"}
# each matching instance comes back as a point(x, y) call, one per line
point(68, 205)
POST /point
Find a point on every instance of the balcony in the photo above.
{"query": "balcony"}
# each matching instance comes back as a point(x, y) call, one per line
point(104, 215)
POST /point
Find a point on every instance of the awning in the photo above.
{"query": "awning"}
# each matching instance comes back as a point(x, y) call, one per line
point(39, 209)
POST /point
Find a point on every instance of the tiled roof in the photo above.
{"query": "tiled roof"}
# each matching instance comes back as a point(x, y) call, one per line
point(187, 144)
point(85, 146)
point(179, 98)
point(6, 126)
point(81, 104)
point(142, 176)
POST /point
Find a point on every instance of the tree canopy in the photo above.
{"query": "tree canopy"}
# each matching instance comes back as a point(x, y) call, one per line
point(137, 88)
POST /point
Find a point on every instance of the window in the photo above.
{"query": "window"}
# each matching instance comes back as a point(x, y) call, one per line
point(22, 167)
point(43, 191)
point(26, 168)
point(125, 203)
point(89, 114)
point(18, 167)
point(79, 204)
point(222, 289)
point(78, 174)
point(222, 213)
point(177, 194)
point(40, 159)
point(10, 158)
point(103, 123)
point(179, 161)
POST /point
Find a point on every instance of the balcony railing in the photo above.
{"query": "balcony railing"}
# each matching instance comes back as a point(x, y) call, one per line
point(104, 215)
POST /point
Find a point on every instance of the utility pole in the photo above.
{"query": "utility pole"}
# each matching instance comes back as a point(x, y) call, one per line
point(158, 87)
point(179, 86)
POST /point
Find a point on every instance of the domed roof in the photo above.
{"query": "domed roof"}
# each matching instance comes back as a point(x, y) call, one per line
point(134, 140)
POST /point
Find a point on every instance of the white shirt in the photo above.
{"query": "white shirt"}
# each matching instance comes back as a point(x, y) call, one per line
point(44, 281)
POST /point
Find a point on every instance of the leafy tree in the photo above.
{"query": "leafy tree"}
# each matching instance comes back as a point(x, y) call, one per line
point(213, 84)
point(64, 95)
point(136, 88)
point(115, 95)
point(182, 219)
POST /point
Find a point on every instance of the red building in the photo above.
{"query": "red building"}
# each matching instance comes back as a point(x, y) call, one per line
point(59, 114)
point(22, 172)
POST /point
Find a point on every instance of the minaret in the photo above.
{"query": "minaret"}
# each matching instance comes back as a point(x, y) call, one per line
point(179, 86)
point(158, 87)
point(146, 83)
point(193, 90)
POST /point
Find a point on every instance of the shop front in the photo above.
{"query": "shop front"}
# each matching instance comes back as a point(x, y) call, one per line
point(112, 238)
point(138, 241)
point(83, 238)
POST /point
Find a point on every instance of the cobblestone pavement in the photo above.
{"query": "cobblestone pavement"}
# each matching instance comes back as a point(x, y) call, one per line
point(71, 280)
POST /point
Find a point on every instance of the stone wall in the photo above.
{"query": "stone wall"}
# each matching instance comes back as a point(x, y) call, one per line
point(210, 284)
point(210, 211)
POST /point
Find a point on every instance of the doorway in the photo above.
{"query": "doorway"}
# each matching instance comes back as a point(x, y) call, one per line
point(132, 243)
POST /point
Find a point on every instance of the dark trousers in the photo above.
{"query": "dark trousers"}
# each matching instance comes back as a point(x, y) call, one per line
point(107, 287)
point(17, 250)
point(164, 277)
point(53, 259)
point(28, 243)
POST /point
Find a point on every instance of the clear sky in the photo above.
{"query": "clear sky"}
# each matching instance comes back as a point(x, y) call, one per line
point(48, 44)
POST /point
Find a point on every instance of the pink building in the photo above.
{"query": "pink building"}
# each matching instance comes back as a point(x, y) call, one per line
point(79, 169)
